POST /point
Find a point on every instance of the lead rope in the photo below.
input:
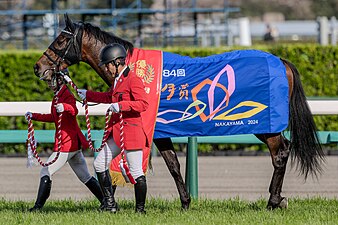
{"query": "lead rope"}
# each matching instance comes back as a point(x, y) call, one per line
point(31, 139)
point(106, 131)
point(123, 162)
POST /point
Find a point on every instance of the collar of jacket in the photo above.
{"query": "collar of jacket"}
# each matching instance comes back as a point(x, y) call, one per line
point(59, 92)
point(126, 71)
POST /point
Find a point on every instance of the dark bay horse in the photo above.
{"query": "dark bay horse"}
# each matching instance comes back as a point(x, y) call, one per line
point(83, 42)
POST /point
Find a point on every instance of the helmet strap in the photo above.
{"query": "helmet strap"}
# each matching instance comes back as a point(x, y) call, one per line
point(116, 64)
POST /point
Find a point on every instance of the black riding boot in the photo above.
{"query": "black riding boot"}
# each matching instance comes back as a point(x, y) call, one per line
point(102, 205)
point(43, 193)
point(94, 186)
point(140, 194)
point(108, 192)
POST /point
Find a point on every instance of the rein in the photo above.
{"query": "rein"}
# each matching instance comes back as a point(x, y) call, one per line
point(56, 70)
point(123, 162)
point(31, 139)
point(31, 134)
point(106, 131)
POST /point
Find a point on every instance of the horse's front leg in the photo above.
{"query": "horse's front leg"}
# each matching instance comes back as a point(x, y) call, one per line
point(279, 151)
point(166, 148)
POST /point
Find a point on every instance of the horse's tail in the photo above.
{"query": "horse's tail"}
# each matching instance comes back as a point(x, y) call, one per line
point(305, 145)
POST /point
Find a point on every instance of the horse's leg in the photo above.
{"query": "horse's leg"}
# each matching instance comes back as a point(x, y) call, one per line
point(279, 151)
point(166, 148)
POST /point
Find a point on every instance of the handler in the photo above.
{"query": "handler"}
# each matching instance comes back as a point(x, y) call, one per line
point(71, 141)
point(128, 97)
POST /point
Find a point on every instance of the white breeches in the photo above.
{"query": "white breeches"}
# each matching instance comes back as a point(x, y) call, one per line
point(76, 161)
point(111, 150)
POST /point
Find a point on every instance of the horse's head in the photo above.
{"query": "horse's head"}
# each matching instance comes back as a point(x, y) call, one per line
point(64, 51)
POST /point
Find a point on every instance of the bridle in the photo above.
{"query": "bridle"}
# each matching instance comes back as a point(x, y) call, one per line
point(71, 54)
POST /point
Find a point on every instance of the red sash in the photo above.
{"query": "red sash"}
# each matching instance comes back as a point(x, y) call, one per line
point(147, 64)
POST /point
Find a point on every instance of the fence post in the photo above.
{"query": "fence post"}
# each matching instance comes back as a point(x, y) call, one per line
point(323, 30)
point(191, 171)
point(334, 31)
point(244, 32)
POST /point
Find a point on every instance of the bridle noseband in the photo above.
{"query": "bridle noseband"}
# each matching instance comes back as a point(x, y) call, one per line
point(75, 41)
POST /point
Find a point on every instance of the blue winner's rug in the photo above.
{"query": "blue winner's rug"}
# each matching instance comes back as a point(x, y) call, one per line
point(239, 92)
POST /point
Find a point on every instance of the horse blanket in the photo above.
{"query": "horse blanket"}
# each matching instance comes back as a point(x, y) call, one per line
point(237, 92)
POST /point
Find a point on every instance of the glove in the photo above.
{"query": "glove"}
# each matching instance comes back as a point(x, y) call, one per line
point(114, 107)
point(82, 93)
point(59, 108)
point(28, 114)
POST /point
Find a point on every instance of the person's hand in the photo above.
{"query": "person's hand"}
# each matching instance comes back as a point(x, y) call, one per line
point(82, 93)
point(28, 114)
point(59, 108)
point(114, 107)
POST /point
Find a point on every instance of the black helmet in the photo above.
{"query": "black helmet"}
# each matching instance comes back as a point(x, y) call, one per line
point(111, 52)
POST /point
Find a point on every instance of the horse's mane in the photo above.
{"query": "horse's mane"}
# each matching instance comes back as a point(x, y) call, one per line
point(106, 37)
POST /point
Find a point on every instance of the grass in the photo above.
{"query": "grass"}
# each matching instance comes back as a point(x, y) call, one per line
point(159, 211)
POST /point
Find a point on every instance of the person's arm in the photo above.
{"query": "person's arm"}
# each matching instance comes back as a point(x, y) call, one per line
point(43, 117)
point(140, 102)
point(99, 97)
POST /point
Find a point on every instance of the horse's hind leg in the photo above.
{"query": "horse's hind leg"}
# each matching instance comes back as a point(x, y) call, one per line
point(279, 151)
point(166, 148)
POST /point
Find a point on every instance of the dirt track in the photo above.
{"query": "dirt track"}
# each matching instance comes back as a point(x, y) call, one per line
point(219, 177)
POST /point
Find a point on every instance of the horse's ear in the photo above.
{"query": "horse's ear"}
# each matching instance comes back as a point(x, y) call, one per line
point(69, 23)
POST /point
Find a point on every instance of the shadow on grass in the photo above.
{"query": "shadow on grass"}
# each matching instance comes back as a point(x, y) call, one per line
point(51, 206)
point(228, 205)
point(152, 205)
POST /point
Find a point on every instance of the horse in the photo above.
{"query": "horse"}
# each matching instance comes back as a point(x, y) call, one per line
point(81, 41)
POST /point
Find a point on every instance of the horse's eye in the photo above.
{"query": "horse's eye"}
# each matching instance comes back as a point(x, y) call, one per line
point(61, 41)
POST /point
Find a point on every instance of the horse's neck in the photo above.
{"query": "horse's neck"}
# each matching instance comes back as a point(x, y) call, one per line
point(90, 55)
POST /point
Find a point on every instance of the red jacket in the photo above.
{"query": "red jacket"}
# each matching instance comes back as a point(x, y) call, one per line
point(130, 94)
point(71, 136)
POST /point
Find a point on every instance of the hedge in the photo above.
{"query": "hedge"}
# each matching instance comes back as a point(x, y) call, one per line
point(316, 64)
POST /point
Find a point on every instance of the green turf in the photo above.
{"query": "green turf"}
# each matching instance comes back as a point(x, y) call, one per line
point(234, 211)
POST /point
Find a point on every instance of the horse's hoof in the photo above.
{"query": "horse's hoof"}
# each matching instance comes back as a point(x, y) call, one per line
point(35, 209)
point(284, 203)
point(185, 207)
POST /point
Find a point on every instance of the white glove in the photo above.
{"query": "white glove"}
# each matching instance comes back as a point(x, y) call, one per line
point(82, 93)
point(28, 114)
point(114, 107)
point(59, 108)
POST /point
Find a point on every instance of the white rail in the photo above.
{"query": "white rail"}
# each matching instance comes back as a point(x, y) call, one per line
point(318, 107)
point(20, 108)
